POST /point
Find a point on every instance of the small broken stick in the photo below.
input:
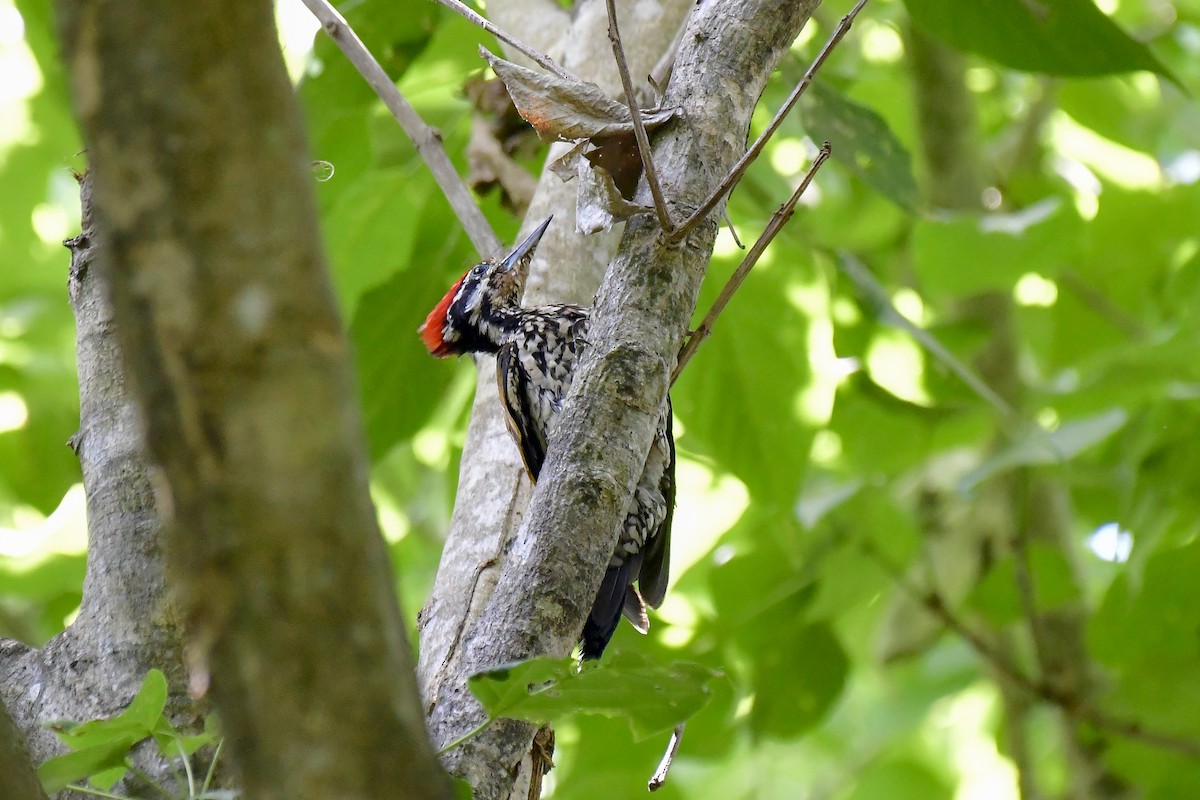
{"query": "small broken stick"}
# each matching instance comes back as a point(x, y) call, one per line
point(664, 766)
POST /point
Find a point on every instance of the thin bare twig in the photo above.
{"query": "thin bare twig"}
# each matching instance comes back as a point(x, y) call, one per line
point(664, 766)
point(1071, 704)
point(747, 159)
point(426, 139)
point(733, 231)
point(774, 225)
point(639, 129)
point(542, 60)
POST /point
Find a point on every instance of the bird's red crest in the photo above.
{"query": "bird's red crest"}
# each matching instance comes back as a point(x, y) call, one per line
point(431, 331)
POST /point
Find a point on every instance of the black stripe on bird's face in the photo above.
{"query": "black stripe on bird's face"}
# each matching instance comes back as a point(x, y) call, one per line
point(477, 312)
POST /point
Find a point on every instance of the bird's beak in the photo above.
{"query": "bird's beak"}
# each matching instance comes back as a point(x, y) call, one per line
point(525, 248)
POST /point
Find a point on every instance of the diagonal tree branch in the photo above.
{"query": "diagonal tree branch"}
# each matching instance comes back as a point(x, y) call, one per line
point(126, 623)
point(552, 566)
point(737, 170)
point(774, 226)
point(543, 61)
point(493, 490)
point(426, 139)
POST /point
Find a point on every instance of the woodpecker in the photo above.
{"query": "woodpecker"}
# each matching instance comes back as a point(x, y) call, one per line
point(536, 352)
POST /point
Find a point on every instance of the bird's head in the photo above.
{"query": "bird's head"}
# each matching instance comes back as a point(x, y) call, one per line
point(458, 322)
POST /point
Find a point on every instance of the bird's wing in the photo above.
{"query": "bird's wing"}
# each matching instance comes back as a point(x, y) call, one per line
point(656, 558)
point(516, 396)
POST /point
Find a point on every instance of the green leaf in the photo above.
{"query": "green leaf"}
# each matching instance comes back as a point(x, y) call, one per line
point(900, 779)
point(56, 773)
point(106, 779)
point(139, 719)
point(171, 743)
point(997, 596)
point(1057, 37)
point(147, 706)
point(1143, 619)
point(1156, 773)
point(652, 697)
point(969, 253)
point(821, 495)
point(865, 415)
point(212, 725)
point(848, 581)
point(401, 384)
point(1144, 633)
point(863, 142)
point(1036, 446)
point(462, 789)
point(503, 689)
point(103, 731)
point(753, 579)
point(100, 746)
point(369, 238)
point(744, 397)
point(190, 744)
point(798, 674)
point(1117, 109)
point(1133, 245)
point(338, 103)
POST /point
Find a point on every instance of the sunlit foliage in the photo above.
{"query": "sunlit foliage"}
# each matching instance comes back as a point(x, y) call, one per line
point(838, 466)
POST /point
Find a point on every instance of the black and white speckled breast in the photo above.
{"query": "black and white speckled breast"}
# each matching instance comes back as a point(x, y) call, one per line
point(550, 340)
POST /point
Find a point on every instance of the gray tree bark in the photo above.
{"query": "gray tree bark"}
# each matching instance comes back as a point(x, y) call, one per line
point(493, 491)
point(533, 576)
point(567, 268)
point(127, 624)
point(238, 361)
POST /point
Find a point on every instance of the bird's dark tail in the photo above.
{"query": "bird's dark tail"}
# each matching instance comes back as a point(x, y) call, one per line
point(617, 595)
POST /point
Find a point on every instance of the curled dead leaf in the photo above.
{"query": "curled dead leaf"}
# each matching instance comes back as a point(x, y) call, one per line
point(562, 109)
point(599, 204)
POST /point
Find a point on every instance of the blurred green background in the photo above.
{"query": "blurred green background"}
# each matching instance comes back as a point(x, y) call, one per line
point(838, 466)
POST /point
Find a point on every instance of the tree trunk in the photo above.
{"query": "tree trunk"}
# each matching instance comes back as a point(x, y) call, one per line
point(237, 358)
point(126, 624)
point(534, 576)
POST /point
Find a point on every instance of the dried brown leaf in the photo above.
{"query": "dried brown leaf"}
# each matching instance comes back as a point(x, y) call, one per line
point(599, 203)
point(566, 165)
point(620, 157)
point(562, 109)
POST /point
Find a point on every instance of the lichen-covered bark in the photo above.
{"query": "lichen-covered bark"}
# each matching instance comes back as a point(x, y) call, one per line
point(493, 491)
point(567, 267)
point(546, 575)
point(238, 361)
